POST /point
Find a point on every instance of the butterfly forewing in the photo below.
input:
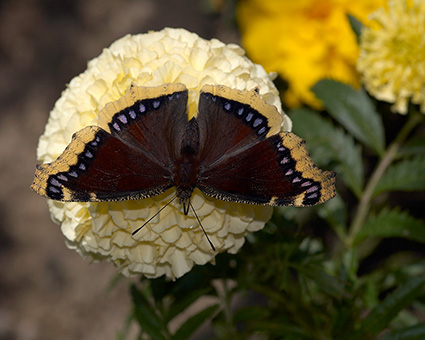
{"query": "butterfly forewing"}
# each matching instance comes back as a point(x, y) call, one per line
point(151, 119)
point(228, 127)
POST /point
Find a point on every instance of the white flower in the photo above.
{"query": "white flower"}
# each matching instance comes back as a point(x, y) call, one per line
point(172, 242)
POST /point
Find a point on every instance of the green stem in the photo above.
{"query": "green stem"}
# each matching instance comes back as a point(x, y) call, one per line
point(386, 160)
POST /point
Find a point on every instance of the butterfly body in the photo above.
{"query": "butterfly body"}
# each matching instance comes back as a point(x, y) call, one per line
point(186, 167)
point(144, 144)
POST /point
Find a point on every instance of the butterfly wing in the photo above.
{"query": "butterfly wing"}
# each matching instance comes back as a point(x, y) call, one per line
point(229, 122)
point(252, 162)
point(151, 119)
point(131, 157)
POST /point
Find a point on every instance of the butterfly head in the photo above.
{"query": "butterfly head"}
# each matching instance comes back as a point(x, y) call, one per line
point(184, 194)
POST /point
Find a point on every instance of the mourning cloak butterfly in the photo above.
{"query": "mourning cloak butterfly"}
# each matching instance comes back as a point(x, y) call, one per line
point(233, 151)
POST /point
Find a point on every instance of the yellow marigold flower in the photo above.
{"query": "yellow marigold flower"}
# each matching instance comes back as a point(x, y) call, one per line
point(392, 58)
point(304, 41)
point(172, 243)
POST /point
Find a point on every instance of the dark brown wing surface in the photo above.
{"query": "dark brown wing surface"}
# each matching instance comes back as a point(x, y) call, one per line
point(130, 156)
point(243, 159)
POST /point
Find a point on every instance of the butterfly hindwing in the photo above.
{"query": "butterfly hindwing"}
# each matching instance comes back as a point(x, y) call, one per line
point(96, 166)
point(255, 166)
point(267, 173)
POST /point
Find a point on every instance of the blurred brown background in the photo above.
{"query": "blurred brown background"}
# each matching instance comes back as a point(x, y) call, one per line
point(46, 290)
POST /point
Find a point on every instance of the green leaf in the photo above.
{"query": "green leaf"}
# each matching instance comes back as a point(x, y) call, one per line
point(380, 317)
point(350, 266)
point(414, 147)
point(194, 322)
point(393, 223)
point(181, 304)
point(416, 332)
point(328, 143)
point(356, 25)
point(371, 293)
point(335, 213)
point(406, 175)
point(146, 316)
point(326, 283)
point(354, 110)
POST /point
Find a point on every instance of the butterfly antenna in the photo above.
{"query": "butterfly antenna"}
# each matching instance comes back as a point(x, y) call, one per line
point(135, 232)
point(199, 221)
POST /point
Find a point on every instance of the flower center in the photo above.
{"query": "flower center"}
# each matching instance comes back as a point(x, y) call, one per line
point(408, 48)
